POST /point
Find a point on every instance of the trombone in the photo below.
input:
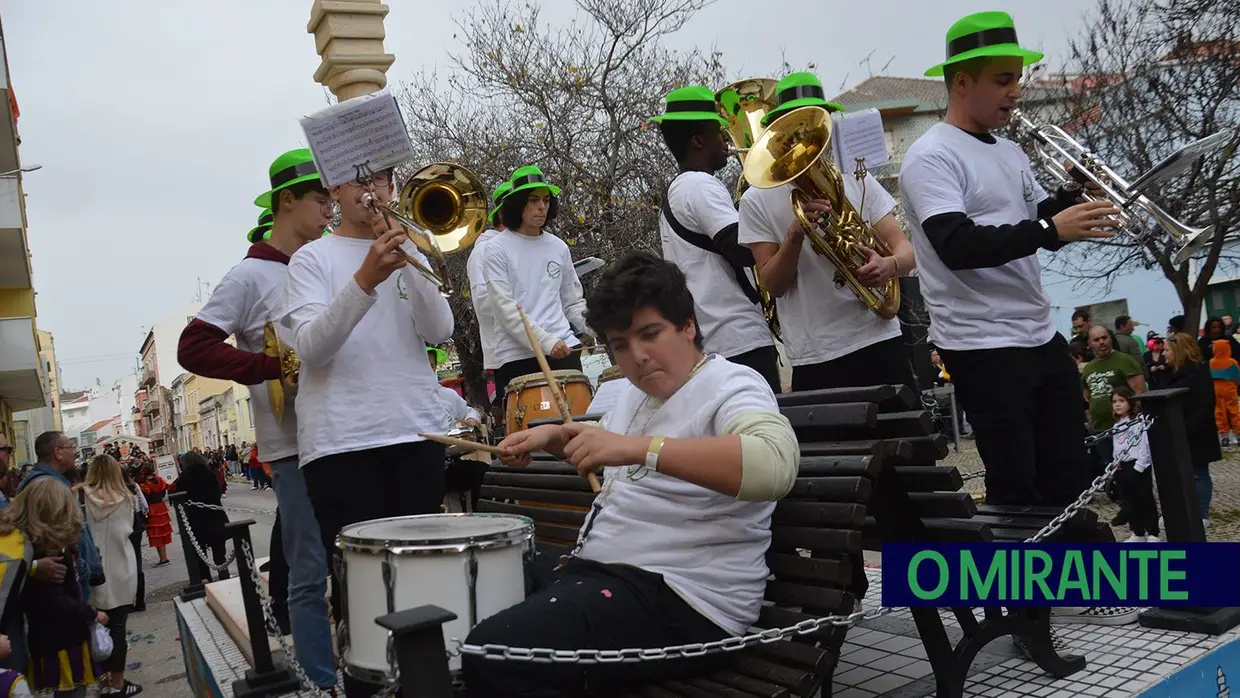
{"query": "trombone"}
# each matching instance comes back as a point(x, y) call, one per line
point(1055, 146)
point(443, 210)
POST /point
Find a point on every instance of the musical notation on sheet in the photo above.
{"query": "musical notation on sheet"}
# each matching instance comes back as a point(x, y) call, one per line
point(364, 132)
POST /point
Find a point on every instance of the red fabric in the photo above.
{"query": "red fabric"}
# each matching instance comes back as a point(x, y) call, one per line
point(203, 351)
point(261, 250)
point(158, 522)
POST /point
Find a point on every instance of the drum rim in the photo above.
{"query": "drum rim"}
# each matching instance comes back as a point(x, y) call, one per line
point(538, 380)
point(460, 544)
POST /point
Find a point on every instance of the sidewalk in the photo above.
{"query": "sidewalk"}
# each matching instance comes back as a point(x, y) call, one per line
point(1224, 508)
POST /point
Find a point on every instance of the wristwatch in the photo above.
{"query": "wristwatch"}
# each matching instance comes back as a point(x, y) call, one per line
point(652, 453)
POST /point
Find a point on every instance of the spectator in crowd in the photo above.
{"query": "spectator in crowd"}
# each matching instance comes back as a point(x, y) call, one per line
point(1107, 371)
point(1176, 324)
point(1136, 481)
point(1226, 374)
point(198, 480)
point(1189, 370)
point(1229, 327)
point(1082, 321)
point(159, 523)
point(1213, 332)
point(1157, 371)
point(111, 508)
point(1124, 341)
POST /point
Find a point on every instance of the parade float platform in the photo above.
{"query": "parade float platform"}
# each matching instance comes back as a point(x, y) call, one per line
point(882, 658)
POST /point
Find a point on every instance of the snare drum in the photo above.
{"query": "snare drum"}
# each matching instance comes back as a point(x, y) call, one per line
point(470, 564)
point(528, 398)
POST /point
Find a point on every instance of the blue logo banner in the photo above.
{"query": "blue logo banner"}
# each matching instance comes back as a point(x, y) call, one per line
point(1061, 574)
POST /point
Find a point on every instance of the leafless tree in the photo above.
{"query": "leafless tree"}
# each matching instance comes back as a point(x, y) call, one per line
point(574, 99)
point(1146, 77)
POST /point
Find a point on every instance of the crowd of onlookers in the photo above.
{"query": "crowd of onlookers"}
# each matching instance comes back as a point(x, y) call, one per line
point(71, 568)
point(1117, 365)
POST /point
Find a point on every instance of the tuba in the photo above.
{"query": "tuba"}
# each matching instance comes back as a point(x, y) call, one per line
point(791, 151)
point(290, 367)
point(743, 104)
point(443, 209)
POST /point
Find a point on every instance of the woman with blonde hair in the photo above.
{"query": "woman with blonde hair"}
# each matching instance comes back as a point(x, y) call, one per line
point(59, 620)
point(1189, 370)
point(110, 508)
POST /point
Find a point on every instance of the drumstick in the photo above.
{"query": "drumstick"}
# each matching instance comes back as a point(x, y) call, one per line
point(463, 443)
point(560, 403)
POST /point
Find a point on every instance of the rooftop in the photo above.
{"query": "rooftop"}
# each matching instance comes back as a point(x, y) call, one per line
point(886, 92)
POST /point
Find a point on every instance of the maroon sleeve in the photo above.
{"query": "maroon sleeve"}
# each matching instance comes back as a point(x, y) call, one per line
point(203, 351)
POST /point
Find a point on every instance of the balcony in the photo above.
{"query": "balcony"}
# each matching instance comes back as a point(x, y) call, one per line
point(21, 384)
point(14, 253)
point(150, 407)
point(147, 378)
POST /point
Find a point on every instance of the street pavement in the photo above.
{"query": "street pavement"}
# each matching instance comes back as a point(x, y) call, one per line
point(155, 660)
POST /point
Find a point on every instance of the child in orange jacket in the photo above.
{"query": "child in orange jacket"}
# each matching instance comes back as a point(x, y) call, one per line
point(1226, 374)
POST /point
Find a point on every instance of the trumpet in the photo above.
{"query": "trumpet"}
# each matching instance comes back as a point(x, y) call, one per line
point(443, 210)
point(285, 387)
point(1054, 146)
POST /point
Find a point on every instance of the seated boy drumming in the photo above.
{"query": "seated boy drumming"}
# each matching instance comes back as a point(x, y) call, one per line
point(693, 456)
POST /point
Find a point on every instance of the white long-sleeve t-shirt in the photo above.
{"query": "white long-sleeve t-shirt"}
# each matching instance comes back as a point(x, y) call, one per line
point(537, 274)
point(365, 381)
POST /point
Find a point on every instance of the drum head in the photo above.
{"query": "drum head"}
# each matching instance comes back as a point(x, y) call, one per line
point(435, 532)
point(535, 380)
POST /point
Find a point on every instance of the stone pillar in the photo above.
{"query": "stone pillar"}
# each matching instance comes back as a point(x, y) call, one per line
point(348, 34)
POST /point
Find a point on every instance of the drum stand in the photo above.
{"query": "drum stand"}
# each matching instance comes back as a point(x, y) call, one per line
point(417, 634)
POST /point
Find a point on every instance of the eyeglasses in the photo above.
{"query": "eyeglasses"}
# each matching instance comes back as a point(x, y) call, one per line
point(7, 449)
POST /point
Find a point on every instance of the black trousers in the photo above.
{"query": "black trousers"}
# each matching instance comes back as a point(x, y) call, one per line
point(277, 577)
point(120, 644)
point(764, 360)
point(881, 363)
point(219, 553)
point(1025, 407)
point(589, 605)
point(376, 483)
point(139, 602)
point(1136, 491)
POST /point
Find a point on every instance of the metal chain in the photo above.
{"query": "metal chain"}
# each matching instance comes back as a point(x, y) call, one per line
point(1097, 486)
point(546, 655)
point(193, 540)
point(273, 627)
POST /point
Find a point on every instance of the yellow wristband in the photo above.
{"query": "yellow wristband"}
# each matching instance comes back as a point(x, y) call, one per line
point(652, 453)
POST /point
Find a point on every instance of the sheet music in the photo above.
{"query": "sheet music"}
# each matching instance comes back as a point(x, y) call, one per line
point(365, 130)
point(859, 135)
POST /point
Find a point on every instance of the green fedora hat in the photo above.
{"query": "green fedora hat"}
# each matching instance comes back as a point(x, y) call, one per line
point(690, 103)
point(530, 177)
point(440, 355)
point(262, 231)
point(291, 168)
point(983, 34)
point(798, 90)
point(497, 198)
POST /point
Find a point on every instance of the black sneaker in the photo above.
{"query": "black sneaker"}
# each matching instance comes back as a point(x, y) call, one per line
point(1095, 615)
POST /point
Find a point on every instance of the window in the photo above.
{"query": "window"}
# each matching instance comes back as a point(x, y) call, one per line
point(889, 140)
point(249, 410)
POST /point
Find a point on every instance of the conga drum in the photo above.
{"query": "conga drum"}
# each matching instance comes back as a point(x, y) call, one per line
point(610, 374)
point(528, 398)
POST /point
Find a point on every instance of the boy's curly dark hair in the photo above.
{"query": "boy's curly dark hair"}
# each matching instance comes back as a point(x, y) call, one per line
point(639, 280)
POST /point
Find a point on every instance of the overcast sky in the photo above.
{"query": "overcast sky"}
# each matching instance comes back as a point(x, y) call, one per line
point(155, 122)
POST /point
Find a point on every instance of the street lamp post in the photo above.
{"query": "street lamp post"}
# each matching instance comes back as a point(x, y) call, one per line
point(13, 173)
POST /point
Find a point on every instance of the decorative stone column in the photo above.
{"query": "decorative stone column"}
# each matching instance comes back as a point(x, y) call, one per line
point(348, 35)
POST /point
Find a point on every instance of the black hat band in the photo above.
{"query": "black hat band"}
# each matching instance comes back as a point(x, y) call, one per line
point(288, 174)
point(789, 94)
point(690, 105)
point(986, 37)
point(529, 179)
point(266, 219)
